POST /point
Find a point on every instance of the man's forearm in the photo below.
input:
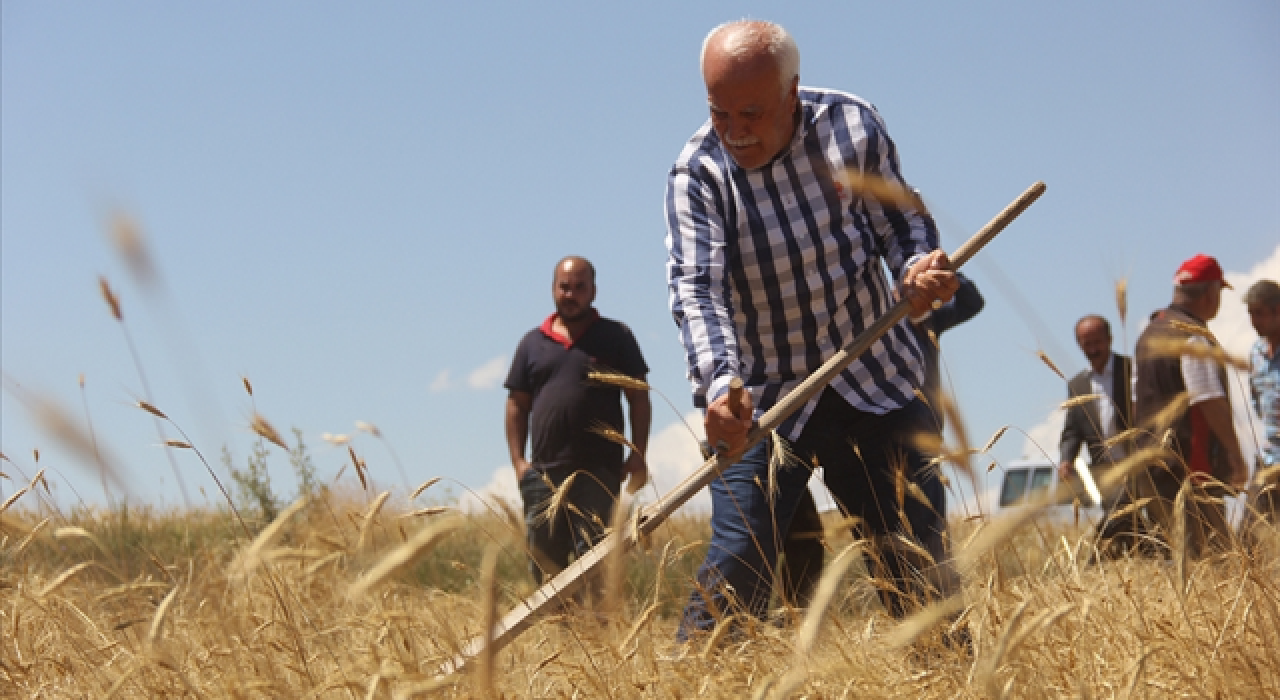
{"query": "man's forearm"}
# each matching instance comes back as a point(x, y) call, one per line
point(517, 430)
point(641, 410)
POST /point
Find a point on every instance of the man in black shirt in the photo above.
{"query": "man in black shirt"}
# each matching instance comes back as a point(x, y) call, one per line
point(552, 398)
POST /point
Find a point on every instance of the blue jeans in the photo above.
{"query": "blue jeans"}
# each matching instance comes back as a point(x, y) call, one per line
point(747, 524)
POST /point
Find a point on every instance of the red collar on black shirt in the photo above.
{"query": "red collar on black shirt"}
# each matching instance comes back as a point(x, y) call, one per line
point(548, 328)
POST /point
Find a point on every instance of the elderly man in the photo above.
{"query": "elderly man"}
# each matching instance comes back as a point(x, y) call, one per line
point(774, 264)
point(1263, 301)
point(549, 387)
point(1093, 424)
point(1177, 360)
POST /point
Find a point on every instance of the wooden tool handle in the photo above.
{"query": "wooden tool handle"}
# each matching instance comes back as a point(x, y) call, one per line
point(552, 592)
point(737, 400)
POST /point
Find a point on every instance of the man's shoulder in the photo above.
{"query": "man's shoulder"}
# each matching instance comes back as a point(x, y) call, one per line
point(830, 97)
point(822, 103)
point(530, 339)
point(614, 328)
point(1079, 384)
point(702, 153)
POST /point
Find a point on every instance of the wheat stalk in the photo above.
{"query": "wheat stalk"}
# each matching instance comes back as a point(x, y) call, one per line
point(609, 377)
point(369, 517)
point(424, 486)
point(259, 425)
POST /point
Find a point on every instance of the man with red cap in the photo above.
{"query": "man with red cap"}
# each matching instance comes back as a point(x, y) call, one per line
point(1178, 357)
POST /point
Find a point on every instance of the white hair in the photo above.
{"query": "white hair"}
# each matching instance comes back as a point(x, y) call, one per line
point(746, 37)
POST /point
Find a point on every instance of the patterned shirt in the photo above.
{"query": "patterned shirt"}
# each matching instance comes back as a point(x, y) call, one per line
point(1264, 387)
point(770, 271)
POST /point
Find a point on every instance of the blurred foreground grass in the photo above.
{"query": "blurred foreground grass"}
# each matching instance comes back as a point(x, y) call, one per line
point(141, 603)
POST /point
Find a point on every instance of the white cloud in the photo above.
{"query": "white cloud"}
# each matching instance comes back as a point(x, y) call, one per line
point(1042, 438)
point(489, 375)
point(673, 454)
point(442, 382)
point(501, 487)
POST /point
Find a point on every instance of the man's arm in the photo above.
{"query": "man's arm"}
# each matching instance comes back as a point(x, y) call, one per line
point(1072, 439)
point(906, 234)
point(519, 405)
point(1217, 413)
point(641, 412)
point(699, 285)
point(1209, 396)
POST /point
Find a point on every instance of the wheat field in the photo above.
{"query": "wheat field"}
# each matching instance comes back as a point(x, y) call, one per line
point(353, 592)
point(346, 597)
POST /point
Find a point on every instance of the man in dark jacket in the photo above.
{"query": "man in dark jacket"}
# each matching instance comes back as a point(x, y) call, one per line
point(1181, 403)
point(1094, 425)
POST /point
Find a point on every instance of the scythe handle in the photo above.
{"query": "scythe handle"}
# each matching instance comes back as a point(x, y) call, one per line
point(572, 578)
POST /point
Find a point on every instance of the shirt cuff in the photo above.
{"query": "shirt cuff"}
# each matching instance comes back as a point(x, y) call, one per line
point(719, 387)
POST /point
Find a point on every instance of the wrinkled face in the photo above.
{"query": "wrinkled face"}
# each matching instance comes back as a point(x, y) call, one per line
point(573, 291)
point(1095, 342)
point(751, 111)
point(1265, 319)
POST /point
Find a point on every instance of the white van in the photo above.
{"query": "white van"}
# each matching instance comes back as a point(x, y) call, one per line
point(1024, 477)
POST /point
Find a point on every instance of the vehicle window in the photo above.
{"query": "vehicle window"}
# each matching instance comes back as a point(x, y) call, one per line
point(1041, 479)
point(1015, 487)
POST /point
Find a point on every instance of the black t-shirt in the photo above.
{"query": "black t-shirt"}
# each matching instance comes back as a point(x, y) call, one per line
point(565, 404)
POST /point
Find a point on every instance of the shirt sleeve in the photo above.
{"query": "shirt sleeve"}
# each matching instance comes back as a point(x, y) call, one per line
point(906, 233)
point(966, 304)
point(698, 284)
point(518, 375)
point(1200, 375)
point(632, 360)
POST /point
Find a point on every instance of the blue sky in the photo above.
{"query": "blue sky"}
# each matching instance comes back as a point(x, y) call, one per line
point(359, 207)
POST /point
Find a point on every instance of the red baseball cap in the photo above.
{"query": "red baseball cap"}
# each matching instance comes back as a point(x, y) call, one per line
point(1200, 268)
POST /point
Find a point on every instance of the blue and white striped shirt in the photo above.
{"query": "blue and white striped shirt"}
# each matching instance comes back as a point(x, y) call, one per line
point(772, 270)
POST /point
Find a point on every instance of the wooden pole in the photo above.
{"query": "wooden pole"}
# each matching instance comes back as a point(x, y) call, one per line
point(575, 575)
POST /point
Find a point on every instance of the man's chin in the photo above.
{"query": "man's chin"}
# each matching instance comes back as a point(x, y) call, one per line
point(747, 158)
point(573, 315)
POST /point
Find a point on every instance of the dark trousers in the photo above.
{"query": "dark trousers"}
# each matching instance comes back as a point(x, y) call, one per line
point(803, 551)
point(1205, 515)
point(1115, 534)
point(553, 538)
point(867, 462)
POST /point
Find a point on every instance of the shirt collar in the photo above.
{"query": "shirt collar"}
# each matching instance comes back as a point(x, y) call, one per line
point(548, 328)
point(1106, 369)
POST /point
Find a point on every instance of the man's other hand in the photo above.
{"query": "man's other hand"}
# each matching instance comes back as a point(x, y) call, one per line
point(522, 467)
point(929, 280)
point(637, 470)
point(724, 429)
point(1065, 470)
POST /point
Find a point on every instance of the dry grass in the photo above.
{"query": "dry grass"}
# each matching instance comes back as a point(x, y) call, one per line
point(345, 598)
point(146, 604)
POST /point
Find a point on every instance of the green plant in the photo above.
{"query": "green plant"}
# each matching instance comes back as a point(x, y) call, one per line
point(304, 469)
point(253, 484)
